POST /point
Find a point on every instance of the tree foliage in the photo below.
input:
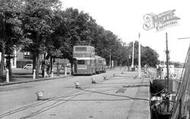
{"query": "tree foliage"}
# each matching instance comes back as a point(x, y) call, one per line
point(148, 55)
point(10, 28)
point(42, 27)
point(38, 22)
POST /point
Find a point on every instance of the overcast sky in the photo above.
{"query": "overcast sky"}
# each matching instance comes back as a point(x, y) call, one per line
point(125, 19)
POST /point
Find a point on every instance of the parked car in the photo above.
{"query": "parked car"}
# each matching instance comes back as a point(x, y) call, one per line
point(28, 66)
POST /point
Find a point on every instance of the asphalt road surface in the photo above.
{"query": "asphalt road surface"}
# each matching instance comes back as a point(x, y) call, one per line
point(117, 94)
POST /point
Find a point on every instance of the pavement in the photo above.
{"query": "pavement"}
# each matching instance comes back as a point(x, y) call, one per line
point(25, 76)
point(121, 95)
point(27, 80)
point(21, 75)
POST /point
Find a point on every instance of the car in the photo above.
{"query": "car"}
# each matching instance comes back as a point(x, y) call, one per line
point(28, 66)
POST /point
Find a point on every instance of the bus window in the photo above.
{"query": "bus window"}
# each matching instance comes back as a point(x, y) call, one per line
point(81, 62)
point(80, 48)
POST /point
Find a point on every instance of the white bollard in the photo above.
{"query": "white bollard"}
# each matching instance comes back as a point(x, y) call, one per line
point(65, 70)
point(34, 74)
point(7, 75)
point(93, 81)
point(40, 95)
point(77, 85)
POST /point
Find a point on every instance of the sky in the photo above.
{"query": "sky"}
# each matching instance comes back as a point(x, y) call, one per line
point(125, 19)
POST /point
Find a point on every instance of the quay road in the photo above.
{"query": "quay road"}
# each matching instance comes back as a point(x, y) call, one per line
point(117, 94)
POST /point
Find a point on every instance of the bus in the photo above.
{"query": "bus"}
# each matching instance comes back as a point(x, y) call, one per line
point(100, 64)
point(86, 62)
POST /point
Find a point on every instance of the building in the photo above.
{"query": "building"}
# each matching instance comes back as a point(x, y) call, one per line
point(20, 59)
point(23, 58)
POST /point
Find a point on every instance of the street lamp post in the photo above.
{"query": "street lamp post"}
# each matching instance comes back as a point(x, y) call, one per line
point(167, 62)
point(167, 68)
point(139, 59)
point(128, 63)
point(110, 59)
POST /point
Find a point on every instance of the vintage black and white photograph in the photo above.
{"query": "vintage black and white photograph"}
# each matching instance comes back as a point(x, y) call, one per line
point(94, 59)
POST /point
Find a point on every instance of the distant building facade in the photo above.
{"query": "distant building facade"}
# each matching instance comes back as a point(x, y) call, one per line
point(23, 58)
point(19, 59)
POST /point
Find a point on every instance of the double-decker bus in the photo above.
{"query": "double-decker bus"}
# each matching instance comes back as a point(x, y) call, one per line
point(86, 62)
point(100, 64)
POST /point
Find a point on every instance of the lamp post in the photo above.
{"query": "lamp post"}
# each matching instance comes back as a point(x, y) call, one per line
point(110, 60)
point(139, 59)
point(167, 71)
point(167, 62)
point(128, 63)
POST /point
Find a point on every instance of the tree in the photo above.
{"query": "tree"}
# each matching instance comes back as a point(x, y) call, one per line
point(75, 27)
point(148, 55)
point(37, 21)
point(72, 27)
point(10, 12)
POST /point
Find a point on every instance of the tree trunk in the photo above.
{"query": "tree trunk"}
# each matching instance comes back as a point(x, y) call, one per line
point(73, 68)
point(2, 61)
point(34, 62)
point(51, 64)
point(8, 62)
point(3, 50)
point(37, 66)
point(58, 68)
point(37, 56)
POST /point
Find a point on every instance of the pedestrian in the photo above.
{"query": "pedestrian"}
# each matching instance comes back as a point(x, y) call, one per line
point(42, 68)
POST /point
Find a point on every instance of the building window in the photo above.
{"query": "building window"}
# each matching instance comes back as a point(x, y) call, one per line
point(27, 55)
point(81, 62)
